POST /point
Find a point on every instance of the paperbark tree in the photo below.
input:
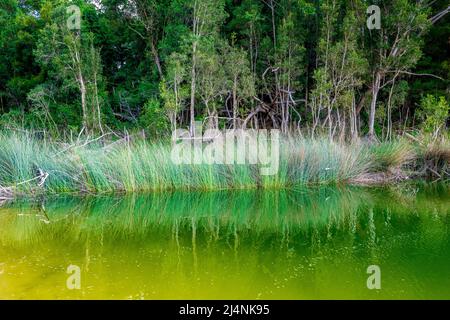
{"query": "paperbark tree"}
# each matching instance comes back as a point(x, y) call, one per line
point(396, 47)
point(207, 17)
point(73, 61)
point(239, 80)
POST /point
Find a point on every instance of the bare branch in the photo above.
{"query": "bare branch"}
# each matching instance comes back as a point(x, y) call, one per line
point(439, 15)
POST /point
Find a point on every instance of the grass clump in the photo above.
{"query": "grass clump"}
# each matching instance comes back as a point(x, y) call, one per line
point(391, 155)
point(433, 160)
point(140, 165)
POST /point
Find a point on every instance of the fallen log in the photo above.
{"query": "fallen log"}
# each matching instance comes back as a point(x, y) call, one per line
point(6, 193)
point(9, 193)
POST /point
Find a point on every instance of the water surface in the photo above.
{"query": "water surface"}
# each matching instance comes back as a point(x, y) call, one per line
point(300, 244)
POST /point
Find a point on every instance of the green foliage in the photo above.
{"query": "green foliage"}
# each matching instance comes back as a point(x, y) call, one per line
point(308, 64)
point(238, 75)
point(434, 113)
point(154, 119)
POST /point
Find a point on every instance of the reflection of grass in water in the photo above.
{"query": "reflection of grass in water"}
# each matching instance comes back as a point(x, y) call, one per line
point(315, 243)
point(320, 212)
point(216, 213)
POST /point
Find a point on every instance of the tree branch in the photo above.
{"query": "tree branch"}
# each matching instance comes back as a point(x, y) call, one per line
point(439, 15)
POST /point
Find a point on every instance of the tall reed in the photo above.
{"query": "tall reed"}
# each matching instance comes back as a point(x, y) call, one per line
point(140, 165)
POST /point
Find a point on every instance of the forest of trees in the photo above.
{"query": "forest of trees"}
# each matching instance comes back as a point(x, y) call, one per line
point(312, 66)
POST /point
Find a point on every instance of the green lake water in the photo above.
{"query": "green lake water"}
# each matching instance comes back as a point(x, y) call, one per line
point(301, 244)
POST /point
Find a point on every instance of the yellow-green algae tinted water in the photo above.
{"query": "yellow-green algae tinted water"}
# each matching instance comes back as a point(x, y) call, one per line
point(307, 244)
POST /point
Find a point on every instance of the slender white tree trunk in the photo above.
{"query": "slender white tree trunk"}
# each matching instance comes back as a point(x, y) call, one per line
point(193, 89)
point(373, 104)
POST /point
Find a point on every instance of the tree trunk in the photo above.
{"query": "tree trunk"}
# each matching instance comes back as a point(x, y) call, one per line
point(193, 88)
point(97, 103)
point(80, 79)
point(156, 58)
point(373, 104)
point(83, 100)
point(274, 32)
point(235, 108)
point(330, 121)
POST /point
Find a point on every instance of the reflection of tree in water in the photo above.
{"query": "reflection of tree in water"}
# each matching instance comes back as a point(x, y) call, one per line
point(267, 242)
